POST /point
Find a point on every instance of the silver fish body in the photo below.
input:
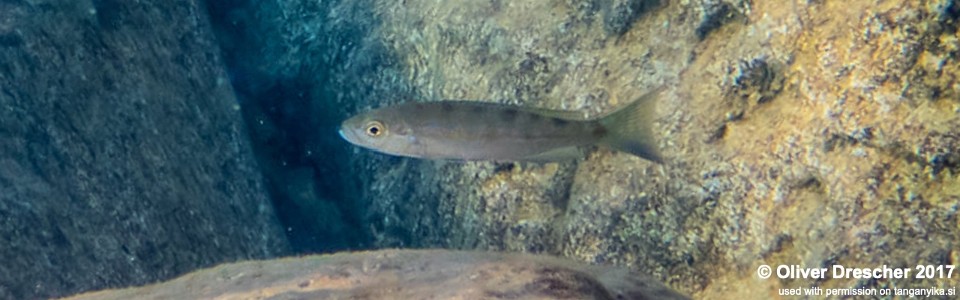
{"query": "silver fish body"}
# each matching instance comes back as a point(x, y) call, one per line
point(464, 130)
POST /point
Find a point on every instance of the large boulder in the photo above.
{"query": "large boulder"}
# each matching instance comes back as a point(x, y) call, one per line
point(404, 274)
point(123, 156)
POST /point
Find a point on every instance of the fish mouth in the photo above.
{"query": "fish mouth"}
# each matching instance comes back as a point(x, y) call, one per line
point(344, 135)
point(347, 135)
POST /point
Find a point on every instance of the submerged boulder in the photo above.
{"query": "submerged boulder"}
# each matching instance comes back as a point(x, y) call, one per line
point(404, 274)
point(123, 157)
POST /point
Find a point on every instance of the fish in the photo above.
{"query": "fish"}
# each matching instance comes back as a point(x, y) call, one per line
point(482, 131)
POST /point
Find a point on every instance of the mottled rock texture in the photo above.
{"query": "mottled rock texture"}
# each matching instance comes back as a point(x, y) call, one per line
point(123, 156)
point(404, 274)
point(798, 132)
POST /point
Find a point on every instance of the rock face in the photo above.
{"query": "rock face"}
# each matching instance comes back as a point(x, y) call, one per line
point(123, 156)
point(287, 62)
point(810, 132)
point(404, 274)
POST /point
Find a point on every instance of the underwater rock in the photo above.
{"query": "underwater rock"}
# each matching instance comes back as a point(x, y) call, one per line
point(715, 15)
point(757, 81)
point(749, 84)
point(619, 15)
point(404, 274)
point(123, 158)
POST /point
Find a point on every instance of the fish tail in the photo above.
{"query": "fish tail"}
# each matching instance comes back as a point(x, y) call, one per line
point(630, 129)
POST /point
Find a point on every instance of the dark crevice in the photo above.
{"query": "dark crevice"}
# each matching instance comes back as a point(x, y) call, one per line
point(620, 15)
point(292, 120)
point(716, 16)
point(950, 19)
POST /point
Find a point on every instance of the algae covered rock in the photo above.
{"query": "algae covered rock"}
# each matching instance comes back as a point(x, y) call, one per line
point(123, 157)
point(404, 274)
point(794, 139)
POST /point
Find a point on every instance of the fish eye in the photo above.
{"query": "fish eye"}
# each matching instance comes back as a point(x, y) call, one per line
point(374, 128)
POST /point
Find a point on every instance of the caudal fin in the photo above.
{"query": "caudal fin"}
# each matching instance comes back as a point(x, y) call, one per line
point(630, 129)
